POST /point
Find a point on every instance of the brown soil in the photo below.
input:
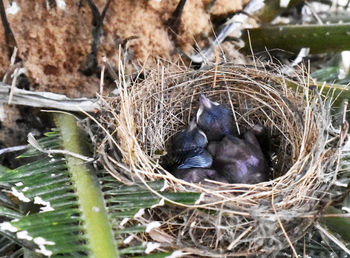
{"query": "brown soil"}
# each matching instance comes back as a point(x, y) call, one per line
point(54, 42)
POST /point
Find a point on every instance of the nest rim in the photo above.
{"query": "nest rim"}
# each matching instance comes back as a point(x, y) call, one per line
point(299, 182)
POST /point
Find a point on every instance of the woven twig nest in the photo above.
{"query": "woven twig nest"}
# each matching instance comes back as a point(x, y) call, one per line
point(232, 219)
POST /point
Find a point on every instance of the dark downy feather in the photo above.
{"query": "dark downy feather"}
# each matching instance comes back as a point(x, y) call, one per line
point(239, 160)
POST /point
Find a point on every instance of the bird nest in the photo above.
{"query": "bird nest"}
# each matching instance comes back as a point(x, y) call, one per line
point(228, 219)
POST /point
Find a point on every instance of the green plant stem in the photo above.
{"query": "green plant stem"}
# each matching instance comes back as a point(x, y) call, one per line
point(337, 92)
point(338, 224)
point(99, 233)
point(319, 38)
point(272, 8)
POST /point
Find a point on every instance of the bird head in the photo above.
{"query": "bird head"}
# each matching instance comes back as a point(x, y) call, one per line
point(205, 104)
point(214, 119)
point(190, 138)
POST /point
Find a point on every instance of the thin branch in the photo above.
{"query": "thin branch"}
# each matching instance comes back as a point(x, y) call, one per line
point(13, 149)
point(90, 65)
point(234, 24)
point(9, 37)
point(46, 100)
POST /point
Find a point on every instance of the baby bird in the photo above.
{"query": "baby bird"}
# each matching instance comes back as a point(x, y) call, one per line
point(198, 175)
point(264, 141)
point(214, 119)
point(187, 149)
point(201, 159)
point(239, 160)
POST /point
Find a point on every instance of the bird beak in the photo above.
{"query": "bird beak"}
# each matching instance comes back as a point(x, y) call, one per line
point(204, 101)
point(192, 125)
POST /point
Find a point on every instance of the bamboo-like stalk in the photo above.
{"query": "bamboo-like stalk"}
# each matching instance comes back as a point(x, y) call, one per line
point(273, 8)
point(98, 230)
point(319, 38)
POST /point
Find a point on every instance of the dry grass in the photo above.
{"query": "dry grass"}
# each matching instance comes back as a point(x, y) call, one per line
point(228, 219)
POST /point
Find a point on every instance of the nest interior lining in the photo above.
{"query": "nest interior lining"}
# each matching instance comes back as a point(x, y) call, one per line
point(169, 110)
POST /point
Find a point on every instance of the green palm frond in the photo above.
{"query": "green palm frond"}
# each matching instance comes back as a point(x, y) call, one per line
point(60, 205)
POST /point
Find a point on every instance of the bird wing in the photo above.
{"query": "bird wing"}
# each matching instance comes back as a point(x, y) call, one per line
point(201, 160)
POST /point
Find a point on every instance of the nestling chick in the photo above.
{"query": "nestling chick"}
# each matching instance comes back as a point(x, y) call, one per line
point(198, 175)
point(264, 141)
point(187, 148)
point(214, 119)
point(239, 160)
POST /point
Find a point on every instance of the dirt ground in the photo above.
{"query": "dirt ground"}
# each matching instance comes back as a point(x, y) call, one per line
point(54, 38)
point(61, 44)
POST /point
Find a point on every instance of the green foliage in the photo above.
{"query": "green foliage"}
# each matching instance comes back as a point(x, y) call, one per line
point(338, 225)
point(43, 209)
